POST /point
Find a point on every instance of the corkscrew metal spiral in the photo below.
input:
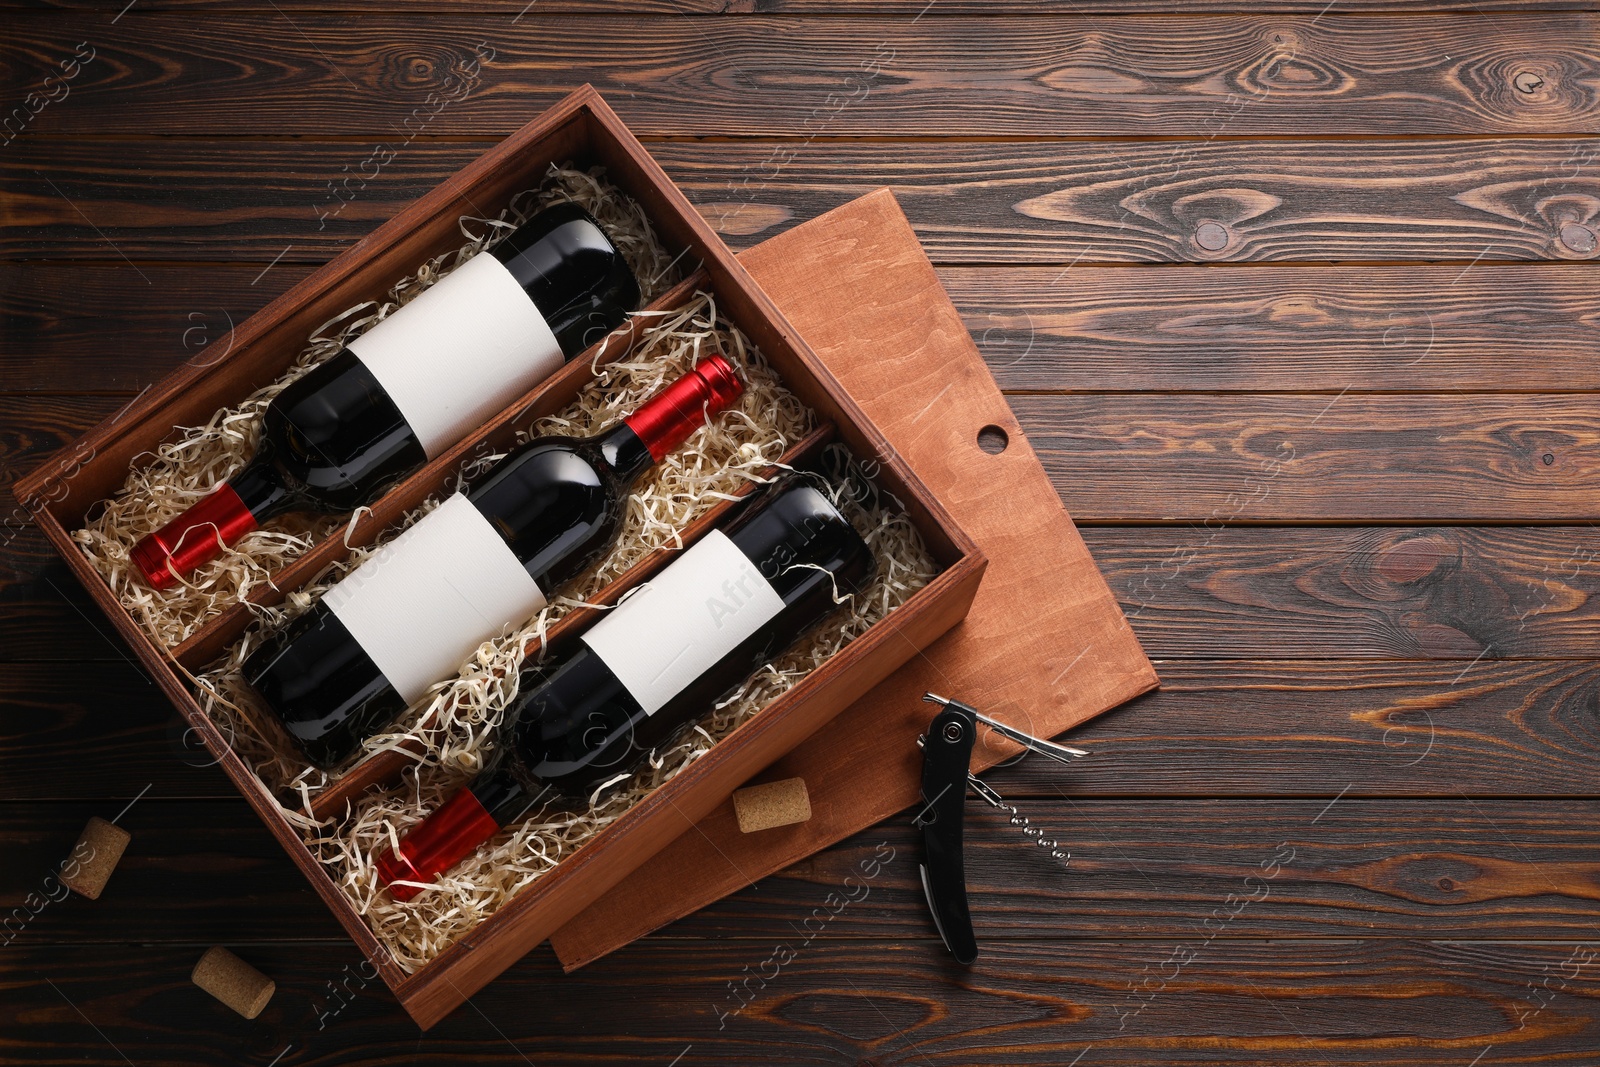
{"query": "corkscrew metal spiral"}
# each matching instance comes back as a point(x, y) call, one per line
point(1019, 820)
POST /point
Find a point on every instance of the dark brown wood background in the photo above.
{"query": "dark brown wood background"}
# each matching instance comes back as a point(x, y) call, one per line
point(1299, 306)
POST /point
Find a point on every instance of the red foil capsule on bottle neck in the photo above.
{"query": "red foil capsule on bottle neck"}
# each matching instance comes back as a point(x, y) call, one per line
point(441, 841)
point(192, 539)
point(668, 418)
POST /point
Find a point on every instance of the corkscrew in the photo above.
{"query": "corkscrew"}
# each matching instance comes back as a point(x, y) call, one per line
point(946, 774)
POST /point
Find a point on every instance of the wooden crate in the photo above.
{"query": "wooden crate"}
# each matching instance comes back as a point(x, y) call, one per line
point(582, 128)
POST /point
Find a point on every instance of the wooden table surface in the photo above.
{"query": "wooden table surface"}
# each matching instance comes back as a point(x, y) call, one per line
point(1299, 307)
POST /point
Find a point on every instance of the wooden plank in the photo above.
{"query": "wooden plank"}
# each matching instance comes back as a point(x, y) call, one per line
point(1377, 868)
point(194, 871)
point(840, 76)
point(1222, 460)
point(44, 610)
point(213, 200)
point(110, 725)
point(1234, 1001)
point(97, 327)
point(1062, 203)
point(45, 614)
point(1417, 328)
point(1446, 592)
point(1287, 728)
point(34, 427)
point(987, 8)
point(1159, 869)
point(1186, 201)
point(1229, 727)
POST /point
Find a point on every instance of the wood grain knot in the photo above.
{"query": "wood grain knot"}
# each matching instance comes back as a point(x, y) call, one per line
point(1527, 81)
point(1577, 238)
point(412, 70)
point(884, 1015)
point(1458, 878)
point(1287, 68)
point(444, 74)
point(1435, 878)
point(1211, 236)
point(1541, 88)
point(1412, 559)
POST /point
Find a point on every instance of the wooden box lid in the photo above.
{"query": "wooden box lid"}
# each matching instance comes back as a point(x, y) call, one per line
point(1045, 645)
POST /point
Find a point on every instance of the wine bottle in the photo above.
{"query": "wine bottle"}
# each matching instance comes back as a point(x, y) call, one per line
point(660, 659)
point(413, 384)
point(409, 616)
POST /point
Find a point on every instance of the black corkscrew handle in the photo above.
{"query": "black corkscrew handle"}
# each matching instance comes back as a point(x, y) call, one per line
point(946, 757)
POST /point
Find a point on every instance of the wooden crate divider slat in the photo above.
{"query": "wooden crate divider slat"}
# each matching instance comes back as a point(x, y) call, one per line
point(545, 398)
point(382, 769)
point(581, 127)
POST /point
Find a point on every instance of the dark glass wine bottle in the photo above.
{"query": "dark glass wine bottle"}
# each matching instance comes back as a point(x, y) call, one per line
point(659, 660)
point(409, 616)
point(413, 384)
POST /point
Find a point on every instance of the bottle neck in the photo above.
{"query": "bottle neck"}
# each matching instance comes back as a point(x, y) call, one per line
point(438, 843)
point(496, 798)
point(253, 495)
point(259, 486)
point(667, 419)
point(797, 524)
point(625, 453)
point(200, 534)
point(193, 539)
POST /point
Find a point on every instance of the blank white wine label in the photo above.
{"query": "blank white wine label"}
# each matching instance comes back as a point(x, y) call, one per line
point(427, 599)
point(466, 347)
point(672, 629)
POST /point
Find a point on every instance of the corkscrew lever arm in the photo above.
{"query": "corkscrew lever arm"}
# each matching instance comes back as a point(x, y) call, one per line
point(1059, 753)
point(946, 773)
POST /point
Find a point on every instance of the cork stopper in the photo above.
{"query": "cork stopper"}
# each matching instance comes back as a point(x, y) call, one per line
point(780, 803)
point(233, 981)
point(94, 857)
